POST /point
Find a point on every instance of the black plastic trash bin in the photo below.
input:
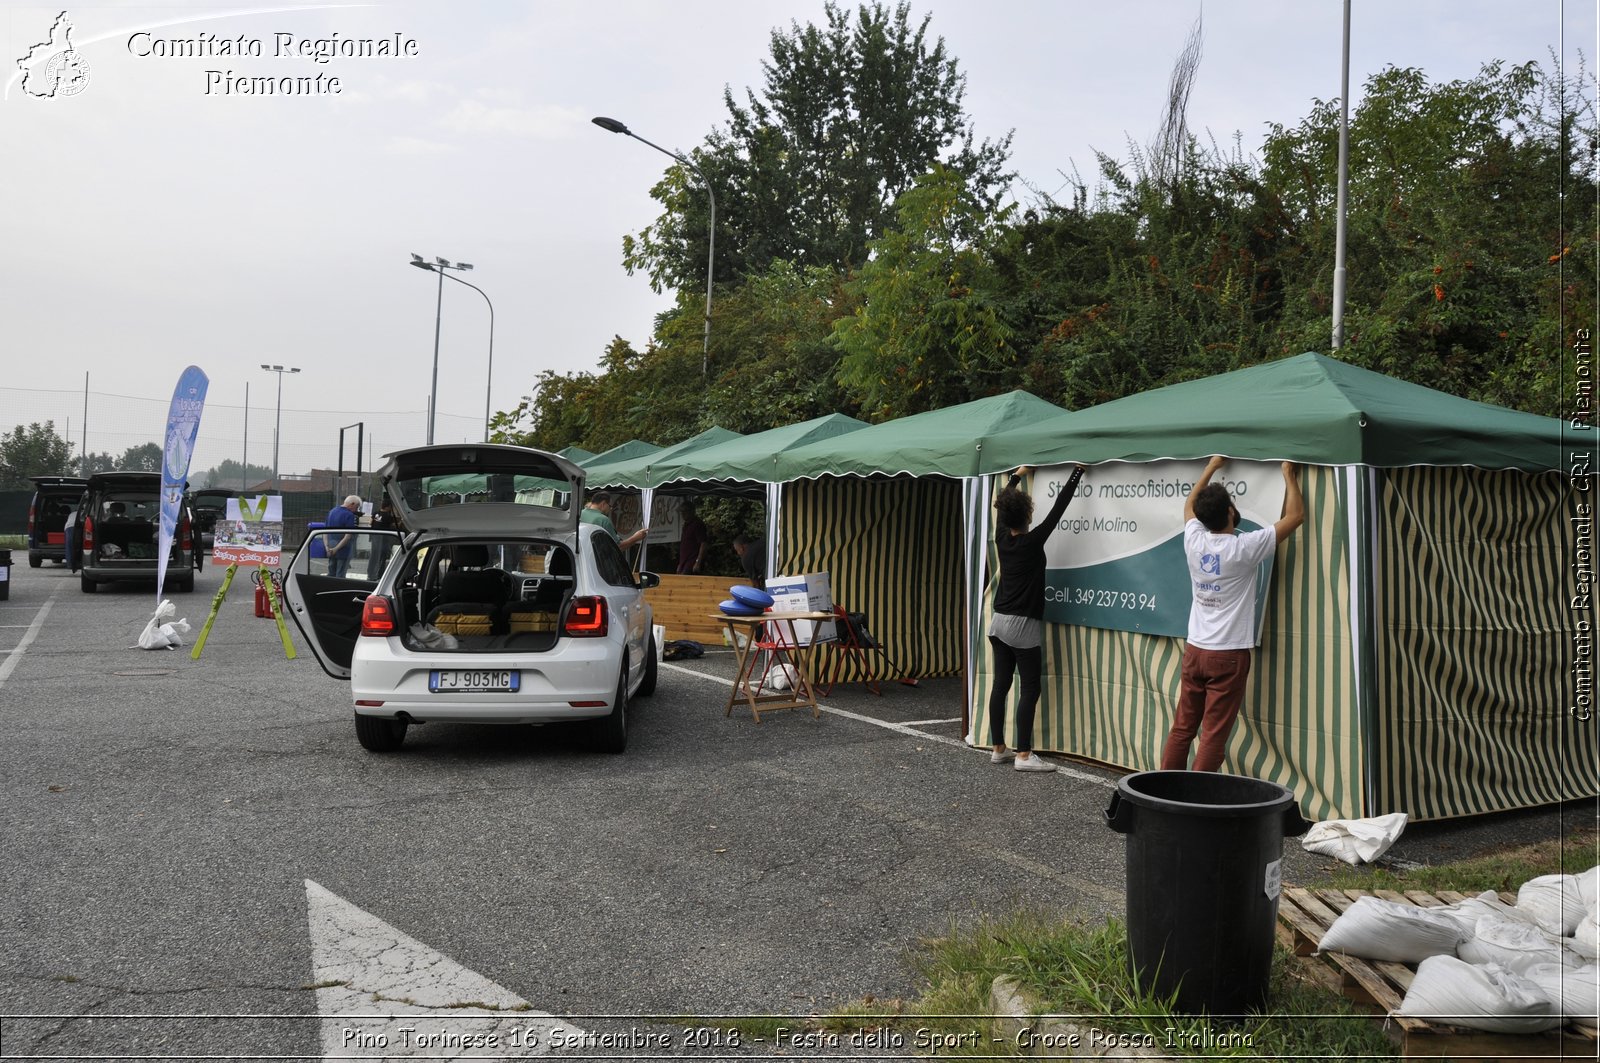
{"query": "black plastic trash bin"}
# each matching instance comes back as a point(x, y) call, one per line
point(5, 574)
point(1204, 857)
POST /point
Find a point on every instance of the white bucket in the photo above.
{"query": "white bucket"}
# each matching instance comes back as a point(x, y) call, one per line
point(660, 633)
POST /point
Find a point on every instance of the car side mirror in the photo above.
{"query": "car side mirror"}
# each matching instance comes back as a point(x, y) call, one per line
point(648, 580)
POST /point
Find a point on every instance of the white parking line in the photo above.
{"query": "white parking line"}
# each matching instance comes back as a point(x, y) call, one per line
point(904, 728)
point(14, 656)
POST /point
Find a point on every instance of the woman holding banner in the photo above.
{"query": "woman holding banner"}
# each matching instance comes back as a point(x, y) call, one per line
point(1016, 633)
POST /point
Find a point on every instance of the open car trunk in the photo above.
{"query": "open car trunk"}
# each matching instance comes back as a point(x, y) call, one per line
point(477, 596)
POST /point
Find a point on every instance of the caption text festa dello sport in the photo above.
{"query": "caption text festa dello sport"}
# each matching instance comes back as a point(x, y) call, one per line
point(279, 46)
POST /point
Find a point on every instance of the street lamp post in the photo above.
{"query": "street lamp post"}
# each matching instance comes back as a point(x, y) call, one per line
point(439, 265)
point(278, 423)
point(488, 387)
point(614, 126)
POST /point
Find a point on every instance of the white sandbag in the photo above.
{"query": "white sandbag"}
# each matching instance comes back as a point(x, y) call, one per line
point(1555, 903)
point(1468, 912)
point(161, 632)
point(1586, 939)
point(1589, 889)
point(1492, 998)
point(1355, 841)
point(782, 677)
point(1511, 943)
point(1377, 929)
point(1574, 992)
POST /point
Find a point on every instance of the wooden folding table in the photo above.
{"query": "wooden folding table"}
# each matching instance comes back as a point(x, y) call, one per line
point(784, 645)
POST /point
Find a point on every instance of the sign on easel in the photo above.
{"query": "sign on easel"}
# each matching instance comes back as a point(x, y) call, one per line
point(250, 535)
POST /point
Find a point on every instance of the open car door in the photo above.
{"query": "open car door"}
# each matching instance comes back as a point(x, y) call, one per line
point(325, 594)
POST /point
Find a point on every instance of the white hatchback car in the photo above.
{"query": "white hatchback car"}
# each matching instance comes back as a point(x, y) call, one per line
point(496, 604)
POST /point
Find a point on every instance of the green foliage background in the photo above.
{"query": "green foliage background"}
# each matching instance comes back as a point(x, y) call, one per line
point(866, 266)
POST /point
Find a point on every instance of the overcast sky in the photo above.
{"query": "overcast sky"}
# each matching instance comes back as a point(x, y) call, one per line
point(148, 223)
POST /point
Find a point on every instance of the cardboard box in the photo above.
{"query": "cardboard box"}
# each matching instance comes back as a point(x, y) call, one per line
point(809, 593)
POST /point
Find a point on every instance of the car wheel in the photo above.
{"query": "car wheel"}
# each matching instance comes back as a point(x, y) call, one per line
point(88, 584)
point(609, 734)
point(379, 735)
point(647, 685)
point(34, 562)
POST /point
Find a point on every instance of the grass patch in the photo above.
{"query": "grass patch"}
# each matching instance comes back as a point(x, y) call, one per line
point(13, 542)
point(1507, 869)
point(1071, 969)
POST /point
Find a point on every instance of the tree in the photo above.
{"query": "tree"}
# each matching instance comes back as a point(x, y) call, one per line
point(146, 457)
point(850, 116)
point(926, 333)
point(35, 450)
point(230, 473)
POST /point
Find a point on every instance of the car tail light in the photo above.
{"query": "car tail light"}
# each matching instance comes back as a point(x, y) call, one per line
point(377, 617)
point(185, 536)
point(30, 522)
point(586, 618)
point(88, 535)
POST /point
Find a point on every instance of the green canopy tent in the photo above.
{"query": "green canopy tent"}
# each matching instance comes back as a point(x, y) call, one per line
point(1416, 652)
point(884, 511)
point(617, 455)
point(634, 474)
point(746, 464)
point(635, 471)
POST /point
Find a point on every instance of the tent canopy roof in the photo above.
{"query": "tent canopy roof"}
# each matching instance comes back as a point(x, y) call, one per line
point(1308, 408)
point(636, 471)
point(948, 442)
point(751, 458)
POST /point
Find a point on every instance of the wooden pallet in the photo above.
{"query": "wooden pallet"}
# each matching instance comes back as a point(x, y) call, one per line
point(1307, 914)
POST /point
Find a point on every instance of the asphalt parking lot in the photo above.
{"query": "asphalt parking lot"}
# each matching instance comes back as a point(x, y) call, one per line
point(175, 828)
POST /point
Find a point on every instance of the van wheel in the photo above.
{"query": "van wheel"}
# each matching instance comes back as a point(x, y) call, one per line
point(379, 735)
point(34, 562)
point(88, 584)
point(184, 586)
point(647, 685)
point(609, 734)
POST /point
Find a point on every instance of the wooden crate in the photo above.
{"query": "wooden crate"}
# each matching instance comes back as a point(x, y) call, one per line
point(1307, 914)
point(684, 605)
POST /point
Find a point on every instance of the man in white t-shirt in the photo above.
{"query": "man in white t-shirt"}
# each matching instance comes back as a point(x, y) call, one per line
point(1222, 629)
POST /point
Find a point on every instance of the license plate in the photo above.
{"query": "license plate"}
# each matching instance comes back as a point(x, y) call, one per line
point(474, 680)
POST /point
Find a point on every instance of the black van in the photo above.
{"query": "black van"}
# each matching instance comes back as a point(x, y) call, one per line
point(120, 522)
point(53, 498)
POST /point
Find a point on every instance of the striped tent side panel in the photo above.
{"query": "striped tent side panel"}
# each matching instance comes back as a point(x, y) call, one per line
point(892, 550)
point(1109, 696)
point(1474, 655)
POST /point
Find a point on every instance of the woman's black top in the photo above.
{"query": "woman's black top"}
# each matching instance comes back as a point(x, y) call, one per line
point(1021, 591)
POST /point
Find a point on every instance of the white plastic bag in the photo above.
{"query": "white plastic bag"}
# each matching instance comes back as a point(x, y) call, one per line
point(1572, 991)
point(1492, 998)
point(161, 633)
point(1555, 902)
point(1355, 841)
point(1377, 929)
point(781, 677)
point(431, 638)
point(1511, 943)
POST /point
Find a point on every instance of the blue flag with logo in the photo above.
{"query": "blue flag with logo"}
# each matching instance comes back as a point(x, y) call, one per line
point(183, 424)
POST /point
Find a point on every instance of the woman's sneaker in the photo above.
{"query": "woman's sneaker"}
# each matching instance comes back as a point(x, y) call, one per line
point(1033, 763)
point(1001, 757)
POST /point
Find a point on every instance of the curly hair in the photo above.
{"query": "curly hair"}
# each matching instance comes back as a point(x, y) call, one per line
point(1211, 506)
point(1014, 508)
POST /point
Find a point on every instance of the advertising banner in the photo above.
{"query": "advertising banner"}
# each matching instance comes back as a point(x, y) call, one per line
point(251, 535)
point(1117, 559)
point(183, 424)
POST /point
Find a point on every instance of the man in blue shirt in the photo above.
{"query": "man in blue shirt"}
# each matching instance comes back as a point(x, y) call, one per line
point(341, 550)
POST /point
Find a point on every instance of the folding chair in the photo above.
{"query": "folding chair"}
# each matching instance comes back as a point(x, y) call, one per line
point(852, 641)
